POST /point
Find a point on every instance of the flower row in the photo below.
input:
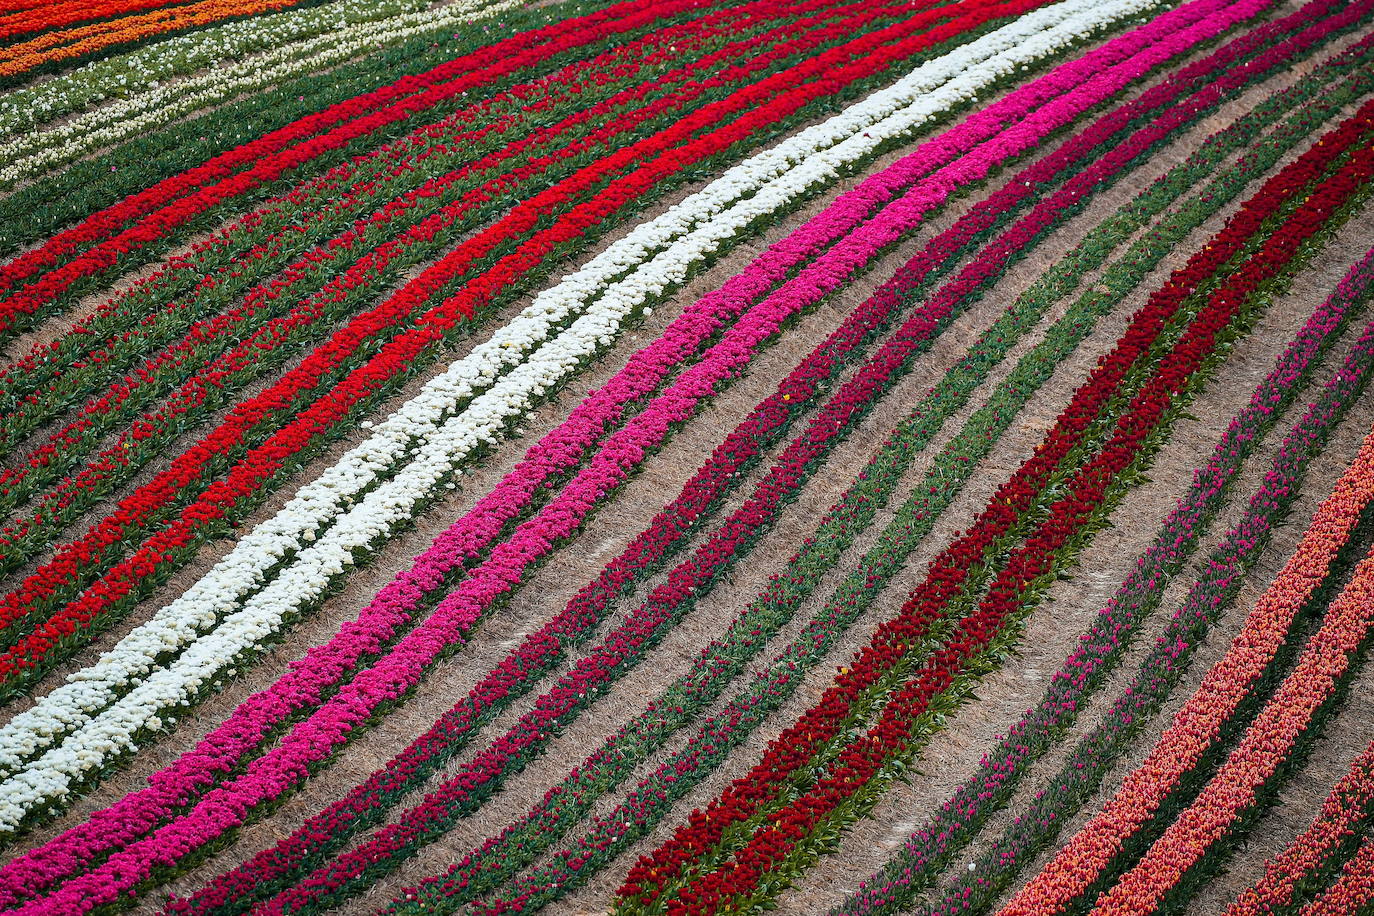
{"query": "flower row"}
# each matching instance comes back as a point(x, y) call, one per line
point(79, 41)
point(1325, 843)
point(1353, 889)
point(136, 71)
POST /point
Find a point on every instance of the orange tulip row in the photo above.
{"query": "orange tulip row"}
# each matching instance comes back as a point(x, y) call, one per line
point(1196, 726)
point(1352, 891)
point(1351, 800)
point(66, 44)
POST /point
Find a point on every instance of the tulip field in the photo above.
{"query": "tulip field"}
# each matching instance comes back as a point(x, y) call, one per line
point(687, 457)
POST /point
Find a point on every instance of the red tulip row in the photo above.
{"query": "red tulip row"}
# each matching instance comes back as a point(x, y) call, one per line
point(1348, 806)
point(758, 792)
point(583, 135)
point(249, 477)
point(155, 212)
point(1195, 728)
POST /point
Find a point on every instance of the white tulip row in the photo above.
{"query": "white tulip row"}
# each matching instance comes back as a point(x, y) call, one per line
point(145, 68)
point(432, 447)
point(33, 153)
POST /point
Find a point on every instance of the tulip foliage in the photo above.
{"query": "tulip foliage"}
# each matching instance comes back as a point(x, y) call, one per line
point(284, 283)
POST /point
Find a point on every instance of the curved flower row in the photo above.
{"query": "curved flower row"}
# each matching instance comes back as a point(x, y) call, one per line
point(1322, 845)
point(959, 818)
point(59, 14)
point(643, 627)
point(1353, 890)
point(1191, 733)
point(83, 559)
point(740, 808)
point(311, 510)
point(386, 613)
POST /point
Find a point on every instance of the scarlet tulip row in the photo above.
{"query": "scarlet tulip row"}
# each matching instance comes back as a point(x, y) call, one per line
point(744, 809)
point(1194, 728)
point(857, 203)
point(1329, 840)
point(622, 648)
point(383, 371)
point(1102, 645)
point(1353, 890)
